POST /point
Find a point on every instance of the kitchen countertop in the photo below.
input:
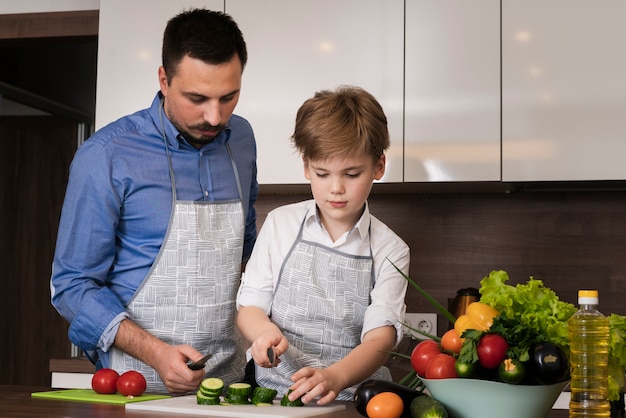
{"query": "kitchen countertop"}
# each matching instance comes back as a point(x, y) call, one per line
point(16, 401)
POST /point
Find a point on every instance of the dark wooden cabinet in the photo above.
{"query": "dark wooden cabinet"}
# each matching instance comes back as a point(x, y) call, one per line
point(34, 163)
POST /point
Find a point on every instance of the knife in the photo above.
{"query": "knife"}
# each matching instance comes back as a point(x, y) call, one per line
point(199, 365)
point(271, 355)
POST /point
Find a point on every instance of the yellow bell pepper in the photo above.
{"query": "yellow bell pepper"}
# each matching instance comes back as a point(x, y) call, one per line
point(478, 316)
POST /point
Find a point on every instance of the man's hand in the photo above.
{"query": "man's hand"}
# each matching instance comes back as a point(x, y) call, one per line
point(170, 362)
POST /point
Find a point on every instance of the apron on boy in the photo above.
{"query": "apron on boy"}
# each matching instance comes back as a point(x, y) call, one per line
point(319, 305)
point(188, 297)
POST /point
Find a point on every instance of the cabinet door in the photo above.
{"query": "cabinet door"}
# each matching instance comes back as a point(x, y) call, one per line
point(299, 47)
point(563, 90)
point(130, 34)
point(452, 106)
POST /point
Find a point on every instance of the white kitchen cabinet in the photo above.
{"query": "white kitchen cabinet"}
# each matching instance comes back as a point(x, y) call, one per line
point(452, 107)
point(295, 49)
point(563, 90)
point(299, 47)
point(130, 34)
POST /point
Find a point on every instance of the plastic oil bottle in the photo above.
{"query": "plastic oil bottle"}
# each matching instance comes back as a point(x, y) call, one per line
point(589, 359)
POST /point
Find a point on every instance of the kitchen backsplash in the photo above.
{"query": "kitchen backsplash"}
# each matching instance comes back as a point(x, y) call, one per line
point(567, 239)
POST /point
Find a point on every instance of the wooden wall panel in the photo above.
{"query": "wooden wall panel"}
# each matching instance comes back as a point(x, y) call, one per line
point(49, 25)
point(34, 168)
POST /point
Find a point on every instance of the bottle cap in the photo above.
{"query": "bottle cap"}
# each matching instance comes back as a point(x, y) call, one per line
point(587, 297)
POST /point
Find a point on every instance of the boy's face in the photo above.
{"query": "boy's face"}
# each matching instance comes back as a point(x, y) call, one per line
point(340, 188)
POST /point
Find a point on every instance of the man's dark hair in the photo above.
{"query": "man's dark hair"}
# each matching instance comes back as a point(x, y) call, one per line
point(207, 35)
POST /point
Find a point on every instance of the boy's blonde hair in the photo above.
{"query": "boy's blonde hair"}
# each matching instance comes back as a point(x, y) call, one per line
point(346, 122)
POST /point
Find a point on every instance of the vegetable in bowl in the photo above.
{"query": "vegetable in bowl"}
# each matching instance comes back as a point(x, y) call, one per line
point(535, 311)
point(542, 317)
point(534, 322)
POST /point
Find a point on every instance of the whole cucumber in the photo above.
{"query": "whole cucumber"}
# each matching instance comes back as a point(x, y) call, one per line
point(372, 387)
point(428, 407)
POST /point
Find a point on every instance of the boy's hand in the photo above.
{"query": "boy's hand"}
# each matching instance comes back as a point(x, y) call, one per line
point(311, 383)
point(268, 345)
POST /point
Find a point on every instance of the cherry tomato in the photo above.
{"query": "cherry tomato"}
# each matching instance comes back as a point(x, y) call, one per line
point(491, 350)
point(451, 341)
point(422, 354)
point(441, 367)
point(131, 383)
point(385, 405)
point(104, 381)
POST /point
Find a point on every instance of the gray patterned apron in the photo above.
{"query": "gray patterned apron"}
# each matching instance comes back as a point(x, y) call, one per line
point(188, 297)
point(319, 305)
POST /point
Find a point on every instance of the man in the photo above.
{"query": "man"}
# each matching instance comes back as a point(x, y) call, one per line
point(159, 216)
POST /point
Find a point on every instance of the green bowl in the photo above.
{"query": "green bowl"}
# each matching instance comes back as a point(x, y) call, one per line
point(473, 398)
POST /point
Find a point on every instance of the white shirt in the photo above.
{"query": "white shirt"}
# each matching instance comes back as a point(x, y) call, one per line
point(278, 234)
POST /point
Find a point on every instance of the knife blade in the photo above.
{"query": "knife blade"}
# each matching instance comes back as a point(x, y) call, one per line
point(199, 364)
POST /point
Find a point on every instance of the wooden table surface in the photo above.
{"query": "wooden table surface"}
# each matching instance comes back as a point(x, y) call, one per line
point(16, 401)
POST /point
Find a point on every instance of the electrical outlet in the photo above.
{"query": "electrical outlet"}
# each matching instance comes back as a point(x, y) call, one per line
point(425, 322)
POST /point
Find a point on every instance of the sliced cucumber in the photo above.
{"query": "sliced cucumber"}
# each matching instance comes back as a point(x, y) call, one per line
point(237, 399)
point(202, 399)
point(262, 395)
point(212, 386)
point(239, 389)
point(286, 402)
point(210, 394)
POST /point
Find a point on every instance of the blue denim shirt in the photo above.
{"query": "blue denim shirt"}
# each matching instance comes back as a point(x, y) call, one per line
point(117, 208)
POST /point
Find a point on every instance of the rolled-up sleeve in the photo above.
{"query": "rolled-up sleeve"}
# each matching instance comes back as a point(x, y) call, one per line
point(257, 282)
point(388, 307)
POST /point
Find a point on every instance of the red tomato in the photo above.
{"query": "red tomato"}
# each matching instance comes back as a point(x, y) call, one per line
point(131, 383)
point(422, 354)
point(451, 341)
point(441, 367)
point(104, 381)
point(491, 350)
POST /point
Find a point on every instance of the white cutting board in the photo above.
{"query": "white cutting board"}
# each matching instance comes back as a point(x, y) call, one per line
point(189, 405)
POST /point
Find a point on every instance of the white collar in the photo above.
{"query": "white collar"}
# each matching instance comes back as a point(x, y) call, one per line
point(362, 225)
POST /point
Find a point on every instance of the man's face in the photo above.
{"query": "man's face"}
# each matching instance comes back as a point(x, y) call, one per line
point(201, 97)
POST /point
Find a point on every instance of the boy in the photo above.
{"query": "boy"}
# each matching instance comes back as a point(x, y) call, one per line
point(319, 289)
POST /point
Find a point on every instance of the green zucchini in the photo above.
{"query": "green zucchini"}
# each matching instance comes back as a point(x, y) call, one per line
point(262, 395)
point(427, 407)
